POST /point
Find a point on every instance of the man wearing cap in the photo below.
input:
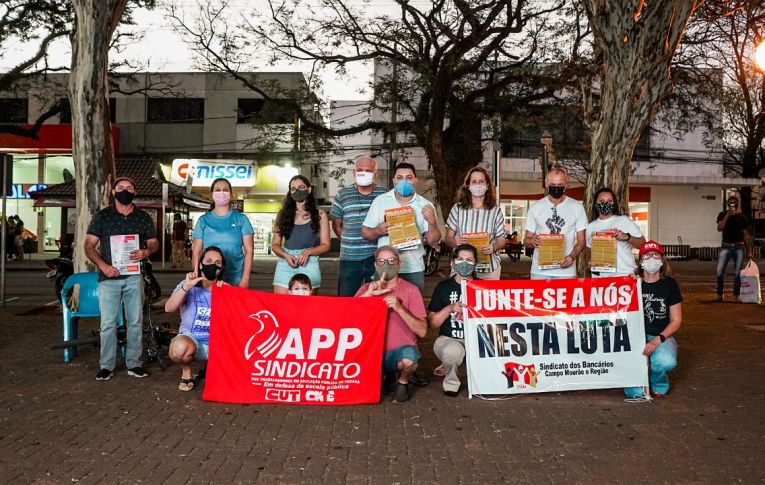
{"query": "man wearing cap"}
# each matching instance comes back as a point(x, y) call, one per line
point(116, 290)
point(735, 240)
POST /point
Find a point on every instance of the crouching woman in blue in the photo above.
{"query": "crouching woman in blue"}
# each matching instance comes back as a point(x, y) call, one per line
point(662, 315)
point(192, 297)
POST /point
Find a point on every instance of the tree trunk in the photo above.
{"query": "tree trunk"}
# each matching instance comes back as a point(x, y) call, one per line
point(92, 149)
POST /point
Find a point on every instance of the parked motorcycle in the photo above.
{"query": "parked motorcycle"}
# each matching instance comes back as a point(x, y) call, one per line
point(60, 268)
point(432, 256)
point(151, 288)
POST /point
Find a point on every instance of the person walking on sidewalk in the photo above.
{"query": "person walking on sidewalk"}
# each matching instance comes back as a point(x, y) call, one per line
point(405, 322)
point(662, 316)
point(180, 233)
point(348, 211)
point(445, 314)
point(115, 290)
point(375, 225)
point(229, 230)
point(477, 211)
point(735, 240)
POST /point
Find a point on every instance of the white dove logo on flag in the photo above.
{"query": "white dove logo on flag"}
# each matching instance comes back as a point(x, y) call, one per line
point(269, 340)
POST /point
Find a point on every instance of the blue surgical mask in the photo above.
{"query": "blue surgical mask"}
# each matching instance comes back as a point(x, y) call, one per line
point(404, 188)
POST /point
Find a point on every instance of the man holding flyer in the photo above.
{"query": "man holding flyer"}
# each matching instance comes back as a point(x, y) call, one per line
point(555, 229)
point(398, 218)
point(126, 235)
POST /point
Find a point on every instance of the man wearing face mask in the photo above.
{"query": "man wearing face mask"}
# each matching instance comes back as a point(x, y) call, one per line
point(445, 314)
point(735, 240)
point(405, 322)
point(116, 290)
point(348, 211)
point(375, 227)
point(556, 214)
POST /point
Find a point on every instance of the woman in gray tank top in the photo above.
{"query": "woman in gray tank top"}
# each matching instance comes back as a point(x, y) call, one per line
point(301, 234)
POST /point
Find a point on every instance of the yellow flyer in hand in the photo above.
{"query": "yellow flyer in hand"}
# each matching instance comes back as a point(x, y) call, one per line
point(479, 240)
point(402, 229)
point(603, 252)
point(551, 251)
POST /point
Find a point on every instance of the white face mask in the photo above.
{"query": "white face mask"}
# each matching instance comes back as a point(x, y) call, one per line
point(365, 179)
point(651, 266)
point(478, 189)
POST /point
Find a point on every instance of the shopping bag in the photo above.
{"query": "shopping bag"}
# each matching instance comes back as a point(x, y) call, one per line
point(750, 284)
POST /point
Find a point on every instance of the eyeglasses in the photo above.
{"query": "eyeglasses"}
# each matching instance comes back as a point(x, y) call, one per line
point(299, 187)
point(648, 256)
point(382, 261)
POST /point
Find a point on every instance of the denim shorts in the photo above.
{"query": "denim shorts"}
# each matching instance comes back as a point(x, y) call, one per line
point(393, 357)
point(202, 349)
point(284, 271)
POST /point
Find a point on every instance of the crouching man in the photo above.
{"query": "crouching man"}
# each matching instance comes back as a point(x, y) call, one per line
point(405, 322)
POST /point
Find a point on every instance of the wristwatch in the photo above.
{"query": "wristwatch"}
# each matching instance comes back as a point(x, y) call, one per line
point(662, 338)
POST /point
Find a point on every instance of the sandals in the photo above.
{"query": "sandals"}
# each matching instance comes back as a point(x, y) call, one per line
point(186, 385)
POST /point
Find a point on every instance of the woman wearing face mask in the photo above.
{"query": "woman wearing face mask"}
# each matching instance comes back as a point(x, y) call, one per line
point(229, 230)
point(476, 211)
point(445, 314)
point(608, 219)
point(192, 297)
point(301, 234)
point(662, 314)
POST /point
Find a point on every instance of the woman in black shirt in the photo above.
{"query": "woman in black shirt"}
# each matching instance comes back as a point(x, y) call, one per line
point(662, 314)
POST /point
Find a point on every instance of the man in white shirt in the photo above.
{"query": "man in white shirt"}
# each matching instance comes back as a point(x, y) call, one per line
point(556, 214)
point(375, 227)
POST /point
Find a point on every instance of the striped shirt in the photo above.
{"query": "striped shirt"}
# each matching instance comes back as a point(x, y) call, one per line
point(351, 207)
point(490, 221)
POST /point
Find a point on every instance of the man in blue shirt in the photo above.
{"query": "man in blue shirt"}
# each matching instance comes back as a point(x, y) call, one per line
point(349, 209)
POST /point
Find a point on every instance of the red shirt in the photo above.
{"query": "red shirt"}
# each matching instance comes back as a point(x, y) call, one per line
point(397, 332)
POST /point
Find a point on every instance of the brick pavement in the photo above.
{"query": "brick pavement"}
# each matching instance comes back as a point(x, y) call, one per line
point(58, 425)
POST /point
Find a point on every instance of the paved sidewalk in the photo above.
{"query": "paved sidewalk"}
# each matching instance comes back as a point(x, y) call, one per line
point(58, 425)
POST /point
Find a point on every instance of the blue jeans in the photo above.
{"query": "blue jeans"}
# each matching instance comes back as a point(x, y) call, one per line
point(663, 360)
point(393, 357)
point(735, 254)
point(113, 294)
point(353, 274)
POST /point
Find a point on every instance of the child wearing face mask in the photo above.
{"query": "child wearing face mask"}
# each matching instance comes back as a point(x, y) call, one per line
point(662, 315)
point(300, 284)
point(192, 297)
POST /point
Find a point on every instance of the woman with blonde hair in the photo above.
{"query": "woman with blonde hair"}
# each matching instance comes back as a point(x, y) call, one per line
point(478, 215)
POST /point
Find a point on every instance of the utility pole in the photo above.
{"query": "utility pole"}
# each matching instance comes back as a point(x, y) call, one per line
point(393, 129)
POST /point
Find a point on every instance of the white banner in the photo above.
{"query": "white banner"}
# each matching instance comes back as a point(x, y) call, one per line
point(201, 173)
point(526, 336)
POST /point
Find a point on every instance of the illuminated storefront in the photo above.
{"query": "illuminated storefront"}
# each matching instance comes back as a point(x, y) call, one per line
point(259, 189)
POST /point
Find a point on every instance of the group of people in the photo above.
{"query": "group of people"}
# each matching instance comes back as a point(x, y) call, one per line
point(371, 267)
point(14, 237)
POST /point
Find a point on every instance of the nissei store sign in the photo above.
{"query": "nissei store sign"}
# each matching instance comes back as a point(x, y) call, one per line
point(22, 191)
point(201, 173)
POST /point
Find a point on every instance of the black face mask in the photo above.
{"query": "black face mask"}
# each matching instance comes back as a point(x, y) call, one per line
point(210, 271)
point(299, 195)
point(556, 192)
point(604, 208)
point(124, 197)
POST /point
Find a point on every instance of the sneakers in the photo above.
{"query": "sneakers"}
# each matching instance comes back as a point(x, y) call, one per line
point(104, 375)
point(138, 372)
point(402, 393)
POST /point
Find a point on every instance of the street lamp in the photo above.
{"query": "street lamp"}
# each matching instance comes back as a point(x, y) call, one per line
point(759, 56)
point(546, 140)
